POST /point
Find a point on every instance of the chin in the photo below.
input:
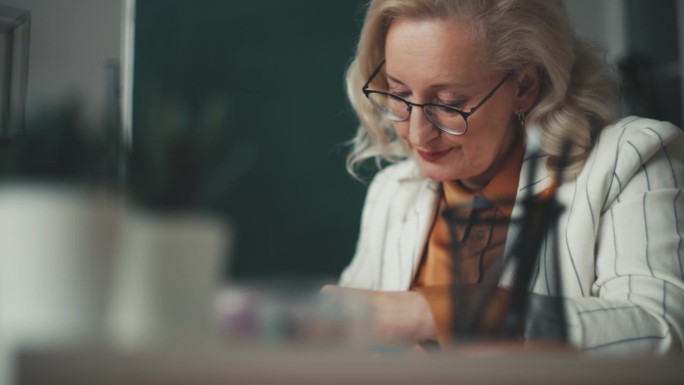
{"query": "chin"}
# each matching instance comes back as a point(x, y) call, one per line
point(439, 173)
point(445, 169)
point(448, 171)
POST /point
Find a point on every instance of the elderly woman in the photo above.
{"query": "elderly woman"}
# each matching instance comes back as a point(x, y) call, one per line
point(446, 92)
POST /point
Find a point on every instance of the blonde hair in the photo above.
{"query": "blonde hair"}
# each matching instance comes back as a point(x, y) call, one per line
point(576, 95)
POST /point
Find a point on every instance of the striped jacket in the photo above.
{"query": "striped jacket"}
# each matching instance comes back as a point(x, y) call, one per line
point(619, 238)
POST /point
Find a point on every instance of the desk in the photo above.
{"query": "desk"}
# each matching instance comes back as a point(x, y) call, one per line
point(311, 366)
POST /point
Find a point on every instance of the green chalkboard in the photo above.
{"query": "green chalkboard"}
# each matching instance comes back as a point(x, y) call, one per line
point(276, 68)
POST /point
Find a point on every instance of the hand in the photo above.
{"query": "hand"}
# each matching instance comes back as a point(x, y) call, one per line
point(398, 318)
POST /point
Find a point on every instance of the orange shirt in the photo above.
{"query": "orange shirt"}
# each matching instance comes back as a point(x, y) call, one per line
point(480, 241)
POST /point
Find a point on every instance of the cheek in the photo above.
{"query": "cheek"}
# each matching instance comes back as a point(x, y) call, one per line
point(481, 150)
point(401, 130)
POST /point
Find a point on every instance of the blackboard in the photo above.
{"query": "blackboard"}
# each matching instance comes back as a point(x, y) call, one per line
point(278, 68)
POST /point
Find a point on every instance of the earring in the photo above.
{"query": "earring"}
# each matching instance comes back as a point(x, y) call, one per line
point(521, 117)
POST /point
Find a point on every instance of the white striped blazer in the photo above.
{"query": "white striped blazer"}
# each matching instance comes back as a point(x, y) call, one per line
point(619, 238)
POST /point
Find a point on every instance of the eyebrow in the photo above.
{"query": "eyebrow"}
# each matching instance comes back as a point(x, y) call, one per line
point(432, 87)
point(392, 78)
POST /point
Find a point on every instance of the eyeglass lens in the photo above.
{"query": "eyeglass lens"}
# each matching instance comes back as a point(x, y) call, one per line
point(398, 110)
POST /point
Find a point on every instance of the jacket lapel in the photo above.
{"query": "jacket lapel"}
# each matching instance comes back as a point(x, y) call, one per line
point(414, 231)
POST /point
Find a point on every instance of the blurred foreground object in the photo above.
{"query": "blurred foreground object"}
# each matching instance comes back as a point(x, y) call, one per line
point(58, 148)
point(179, 161)
point(167, 271)
point(56, 250)
point(291, 316)
point(78, 267)
point(79, 264)
point(59, 230)
point(313, 366)
point(503, 307)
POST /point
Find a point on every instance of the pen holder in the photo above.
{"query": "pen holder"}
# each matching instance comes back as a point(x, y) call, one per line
point(477, 233)
point(499, 305)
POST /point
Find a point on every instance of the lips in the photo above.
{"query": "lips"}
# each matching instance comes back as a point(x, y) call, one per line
point(432, 156)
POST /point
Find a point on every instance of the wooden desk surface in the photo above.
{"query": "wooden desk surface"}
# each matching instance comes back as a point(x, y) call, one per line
point(311, 366)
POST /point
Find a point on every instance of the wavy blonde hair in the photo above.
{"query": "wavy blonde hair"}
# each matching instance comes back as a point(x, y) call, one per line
point(577, 92)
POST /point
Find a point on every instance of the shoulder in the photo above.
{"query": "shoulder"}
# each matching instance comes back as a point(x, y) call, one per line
point(631, 157)
point(629, 143)
point(642, 134)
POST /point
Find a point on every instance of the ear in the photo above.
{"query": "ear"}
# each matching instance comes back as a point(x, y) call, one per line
point(528, 81)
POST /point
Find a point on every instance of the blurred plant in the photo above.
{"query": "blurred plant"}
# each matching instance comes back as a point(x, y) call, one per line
point(182, 157)
point(57, 147)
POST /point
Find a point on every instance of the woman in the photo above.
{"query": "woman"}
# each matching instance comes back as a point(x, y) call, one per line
point(447, 91)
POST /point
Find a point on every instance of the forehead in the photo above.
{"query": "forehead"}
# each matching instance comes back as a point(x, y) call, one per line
point(432, 50)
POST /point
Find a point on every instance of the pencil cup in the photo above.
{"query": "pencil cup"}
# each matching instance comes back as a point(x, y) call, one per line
point(168, 270)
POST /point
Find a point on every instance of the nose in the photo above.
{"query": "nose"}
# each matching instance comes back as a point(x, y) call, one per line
point(421, 130)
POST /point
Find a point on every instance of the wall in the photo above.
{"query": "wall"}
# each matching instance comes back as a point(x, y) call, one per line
point(71, 41)
point(603, 23)
point(644, 44)
point(654, 39)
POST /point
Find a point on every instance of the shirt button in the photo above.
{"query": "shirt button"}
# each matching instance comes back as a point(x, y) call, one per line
point(479, 235)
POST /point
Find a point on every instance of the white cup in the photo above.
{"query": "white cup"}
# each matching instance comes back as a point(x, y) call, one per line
point(56, 245)
point(168, 270)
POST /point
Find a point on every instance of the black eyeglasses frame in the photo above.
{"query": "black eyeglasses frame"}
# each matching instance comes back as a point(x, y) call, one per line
point(465, 114)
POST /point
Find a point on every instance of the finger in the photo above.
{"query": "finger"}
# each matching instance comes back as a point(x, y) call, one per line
point(330, 289)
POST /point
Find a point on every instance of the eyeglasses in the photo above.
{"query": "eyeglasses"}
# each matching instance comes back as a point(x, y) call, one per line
point(447, 118)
